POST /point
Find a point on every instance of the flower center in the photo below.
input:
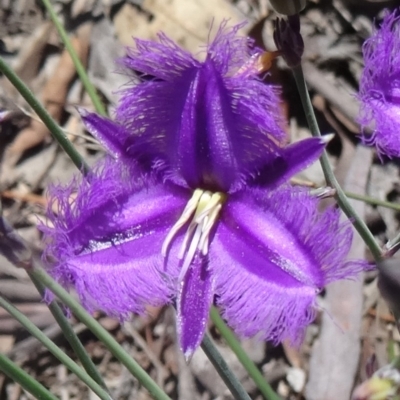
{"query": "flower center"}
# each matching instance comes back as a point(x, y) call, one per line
point(202, 211)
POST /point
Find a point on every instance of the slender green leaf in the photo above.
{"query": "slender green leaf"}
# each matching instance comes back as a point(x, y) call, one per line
point(52, 125)
point(72, 338)
point(242, 356)
point(330, 178)
point(18, 375)
point(91, 90)
point(223, 369)
point(373, 201)
point(54, 349)
point(133, 367)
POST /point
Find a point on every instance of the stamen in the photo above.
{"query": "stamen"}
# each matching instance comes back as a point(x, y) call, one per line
point(201, 206)
point(187, 213)
point(208, 224)
point(190, 253)
point(203, 209)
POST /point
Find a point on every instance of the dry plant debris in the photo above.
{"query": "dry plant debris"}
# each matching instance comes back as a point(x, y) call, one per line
point(355, 327)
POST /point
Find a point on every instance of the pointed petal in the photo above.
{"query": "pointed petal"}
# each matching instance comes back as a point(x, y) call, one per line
point(107, 242)
point(293, 159)
point(194, 300)
point(111, 135)
point(204, 124)
point(271, 255)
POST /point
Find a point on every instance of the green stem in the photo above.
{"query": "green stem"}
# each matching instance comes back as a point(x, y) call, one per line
point(330, 178)
point(91, 90)
point(373, 201)
point(133, 367)
point(242, 356)
point(72, 337)
point(52, 125)
point(223, 369)
point(54, 349)
point(18, 375)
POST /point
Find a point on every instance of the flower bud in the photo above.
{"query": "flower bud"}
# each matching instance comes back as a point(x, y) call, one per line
point(288, 7)
point(288, 39)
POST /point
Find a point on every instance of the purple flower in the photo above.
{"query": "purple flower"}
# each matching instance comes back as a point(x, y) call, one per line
point(191, 207)
point(380, 88)
point(262, 255)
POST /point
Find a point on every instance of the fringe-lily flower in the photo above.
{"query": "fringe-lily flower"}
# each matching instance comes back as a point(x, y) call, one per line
point(261, 254)
point(192, 209)
point(380, 87)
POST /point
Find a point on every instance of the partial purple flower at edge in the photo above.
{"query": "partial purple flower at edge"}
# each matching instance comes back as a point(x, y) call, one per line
point(380, 88)
point(127, 240)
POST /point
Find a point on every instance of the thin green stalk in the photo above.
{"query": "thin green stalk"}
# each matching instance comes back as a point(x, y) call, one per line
point(72, 338)
point(373, 201)
point(52, 125)
point(223, 369)
point(242, 356)
point(133, 367)
point(54, 349)
point(330, 178)
point(91, 90)
point(30, 384)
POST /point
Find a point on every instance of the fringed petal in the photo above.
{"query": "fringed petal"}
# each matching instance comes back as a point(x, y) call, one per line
point(107, 237)
point(163, 60)
point(230, 50)
point(206, 124)
point(194, 299)
point(380, 88)
point(271, 255)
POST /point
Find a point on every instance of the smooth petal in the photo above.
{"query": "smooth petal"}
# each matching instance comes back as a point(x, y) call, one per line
point(293, 159)
point(271, 255)
point(379, 92)
point(205, 124)
point(107, 242)
point(111, 135)
point(195, 296)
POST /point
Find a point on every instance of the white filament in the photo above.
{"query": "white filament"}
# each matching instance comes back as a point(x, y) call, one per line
point(187, 213)
point(202, 211)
